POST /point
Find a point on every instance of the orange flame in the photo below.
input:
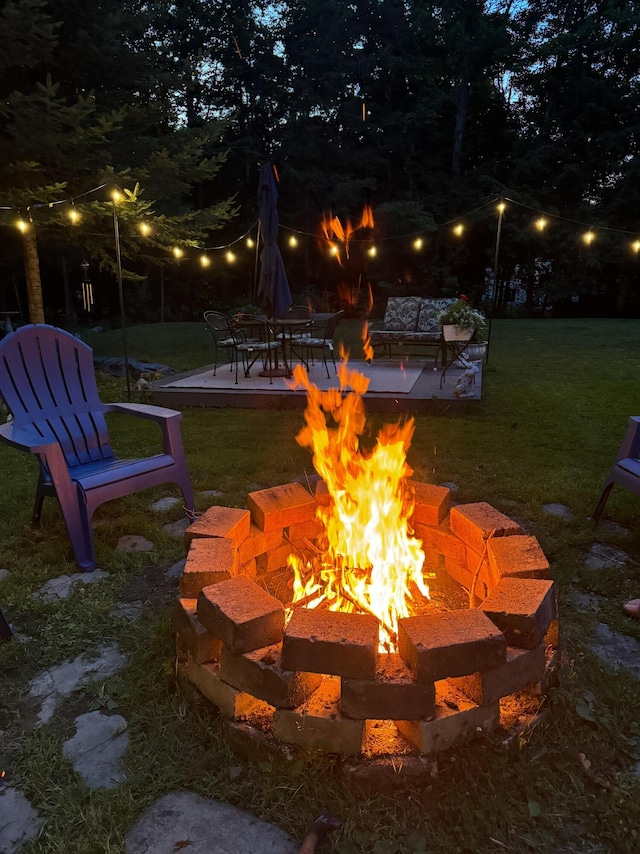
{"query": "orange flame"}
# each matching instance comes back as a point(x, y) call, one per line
point(367, 349)
point(368, 558)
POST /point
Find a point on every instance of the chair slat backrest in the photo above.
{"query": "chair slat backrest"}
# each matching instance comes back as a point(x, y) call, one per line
point(48, 381)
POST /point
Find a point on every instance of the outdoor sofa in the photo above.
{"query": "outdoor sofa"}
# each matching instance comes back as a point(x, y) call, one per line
point(410, 322)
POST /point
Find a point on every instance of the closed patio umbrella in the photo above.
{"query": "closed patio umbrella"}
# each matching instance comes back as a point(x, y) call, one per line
point(273, 287)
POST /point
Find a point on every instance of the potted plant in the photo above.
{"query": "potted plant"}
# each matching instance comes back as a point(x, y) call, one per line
point(461, 322)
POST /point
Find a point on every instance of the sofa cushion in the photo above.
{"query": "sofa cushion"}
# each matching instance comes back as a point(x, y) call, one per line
point(430, 308)
point(385, 336)
point(418, 337)
point(401, 313)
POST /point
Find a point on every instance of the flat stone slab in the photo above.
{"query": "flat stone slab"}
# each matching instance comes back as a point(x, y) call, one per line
point(559, 510)
point(4, 573)
point(603, 557)
point(189, 822)
point(165, 504)
point(52, 685)
point(131, 611)
point(19, 822)
point(63, 586)
point(134, 543)
point(177, 529)
point(97, 748)
point(583, 602)
point(177, 569)
point(617, 650)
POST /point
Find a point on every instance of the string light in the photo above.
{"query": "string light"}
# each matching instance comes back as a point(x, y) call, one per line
point(502, 207)
point(74, 216)
point(144, 228)
point(636, 246)
point(418, 243)
point(372, 251)
point(230, 257)
point(250, 242)
point(333, 249)
point(177, 252)
point(205, 261)
point(541, 223)
point(21, 225)
point(293, 241)
point(458, 230)
point(588, 237)
point(116, 195)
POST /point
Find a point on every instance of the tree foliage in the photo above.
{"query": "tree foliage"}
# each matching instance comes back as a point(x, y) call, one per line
point(421, 109)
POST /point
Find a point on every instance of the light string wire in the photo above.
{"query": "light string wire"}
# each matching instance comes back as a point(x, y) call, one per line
point(71, 200)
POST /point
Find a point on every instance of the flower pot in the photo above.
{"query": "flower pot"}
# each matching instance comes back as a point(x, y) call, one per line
point(451, 332)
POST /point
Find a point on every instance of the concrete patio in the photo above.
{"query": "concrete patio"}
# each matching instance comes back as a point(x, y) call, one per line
point(395, 386)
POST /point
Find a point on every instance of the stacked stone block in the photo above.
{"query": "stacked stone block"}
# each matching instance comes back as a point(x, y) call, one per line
point(320, 682)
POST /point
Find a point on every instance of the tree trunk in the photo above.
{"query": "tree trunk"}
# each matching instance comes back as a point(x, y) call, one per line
point(32, 275)
point(462, 111)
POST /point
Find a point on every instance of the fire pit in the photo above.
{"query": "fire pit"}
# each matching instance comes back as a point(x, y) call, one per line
point(361, 614)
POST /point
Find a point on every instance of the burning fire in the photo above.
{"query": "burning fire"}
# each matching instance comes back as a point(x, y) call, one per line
point(367, 559)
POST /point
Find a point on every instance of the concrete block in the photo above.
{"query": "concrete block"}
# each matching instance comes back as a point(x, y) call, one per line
point(200, 645)
point(523, 667)
point(241, 614)
point(230, 522)
point(318, 723)
point(456, 720)
point(274, 559)
point(522, 608)
point(209, 561)
point(517, 557)
point(476, 523)
point(431, 503)
point(305, 530)
point(335, 643)
point(281, 506)
point(452, 643)
point(392, 694)
point(258, 542)
point(260, 673)
point(231, 702)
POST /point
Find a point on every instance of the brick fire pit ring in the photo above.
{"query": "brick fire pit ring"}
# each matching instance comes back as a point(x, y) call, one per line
point(319, 683)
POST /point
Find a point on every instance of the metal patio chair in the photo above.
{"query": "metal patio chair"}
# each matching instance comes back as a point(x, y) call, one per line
point(626, 469)
point(48, 382)
point(319, 341)
point(253, 339)
point(218, 326)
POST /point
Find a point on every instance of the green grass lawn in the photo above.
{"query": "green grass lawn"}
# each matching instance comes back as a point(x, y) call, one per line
point(556, 398)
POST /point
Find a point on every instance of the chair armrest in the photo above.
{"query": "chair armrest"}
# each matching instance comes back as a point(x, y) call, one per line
point(167, 419)
point(144, 410)
point(24, 438)
point(630, 447)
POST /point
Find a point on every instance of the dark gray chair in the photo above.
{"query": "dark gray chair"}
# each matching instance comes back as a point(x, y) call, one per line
point(626, 469)
point(218, 326)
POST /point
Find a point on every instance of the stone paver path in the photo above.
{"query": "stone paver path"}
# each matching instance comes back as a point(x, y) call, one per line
point(184, 821)
point(19, 822)
point(97, 748)
point(52, 685)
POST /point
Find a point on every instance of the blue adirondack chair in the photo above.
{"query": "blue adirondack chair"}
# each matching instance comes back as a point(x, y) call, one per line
point(626, 469)
point(48, 382)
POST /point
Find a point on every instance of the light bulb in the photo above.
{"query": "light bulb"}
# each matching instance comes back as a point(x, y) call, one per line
point(230, 257)
point(293, 241)
point(177, 252)
point(458, 229)
point(541, 224)
point(418, 243)
point(145, 228)
point(205, 260)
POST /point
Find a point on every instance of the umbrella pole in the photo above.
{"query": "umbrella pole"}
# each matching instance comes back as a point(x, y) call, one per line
point(254, 290)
